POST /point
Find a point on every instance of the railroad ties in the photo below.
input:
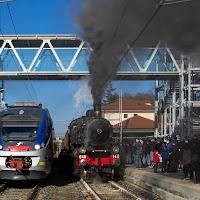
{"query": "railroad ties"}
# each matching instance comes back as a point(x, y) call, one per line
point(7, 192)
point(108, 191)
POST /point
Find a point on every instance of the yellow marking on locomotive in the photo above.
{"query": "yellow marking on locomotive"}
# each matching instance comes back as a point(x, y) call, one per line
point(42, 163)
point(99, 150)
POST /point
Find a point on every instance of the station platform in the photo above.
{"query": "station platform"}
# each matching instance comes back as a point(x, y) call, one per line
point(168, 186)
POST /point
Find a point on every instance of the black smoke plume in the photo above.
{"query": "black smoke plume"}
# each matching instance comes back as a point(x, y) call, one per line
point(176, 25)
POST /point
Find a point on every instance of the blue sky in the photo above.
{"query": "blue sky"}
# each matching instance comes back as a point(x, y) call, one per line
point(52, 17)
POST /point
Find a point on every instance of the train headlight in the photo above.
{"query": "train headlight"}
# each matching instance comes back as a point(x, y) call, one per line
point(1, 147)
point(37, 146)
point(82, 150)
point(83, 162)
point(115, 149)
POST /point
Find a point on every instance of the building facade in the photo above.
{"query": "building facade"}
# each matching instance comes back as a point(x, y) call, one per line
point(137, 118)
point(130, 108)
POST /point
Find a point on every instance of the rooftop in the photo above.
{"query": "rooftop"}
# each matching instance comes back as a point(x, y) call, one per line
point(137, 122)
point(129, 104)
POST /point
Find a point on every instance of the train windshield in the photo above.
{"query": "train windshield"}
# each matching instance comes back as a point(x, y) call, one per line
point(20, 129)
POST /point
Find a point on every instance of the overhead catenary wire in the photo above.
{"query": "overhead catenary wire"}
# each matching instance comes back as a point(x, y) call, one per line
point(123, 13)
point(136, 39)
point(21, 51)
point(16, 65)
point(169, 2)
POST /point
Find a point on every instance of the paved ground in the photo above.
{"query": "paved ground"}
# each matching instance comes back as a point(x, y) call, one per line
point(178, 175)
point(167, 186)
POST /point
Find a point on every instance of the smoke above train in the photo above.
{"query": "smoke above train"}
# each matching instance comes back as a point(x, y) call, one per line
point(109, 26)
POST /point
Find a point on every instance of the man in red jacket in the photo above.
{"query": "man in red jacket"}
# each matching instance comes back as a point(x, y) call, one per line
point(156, 161)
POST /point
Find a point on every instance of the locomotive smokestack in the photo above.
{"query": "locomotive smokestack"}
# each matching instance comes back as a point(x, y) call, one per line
point(97, 110)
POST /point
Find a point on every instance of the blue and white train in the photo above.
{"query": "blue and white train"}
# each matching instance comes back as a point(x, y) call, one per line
point(26, 142)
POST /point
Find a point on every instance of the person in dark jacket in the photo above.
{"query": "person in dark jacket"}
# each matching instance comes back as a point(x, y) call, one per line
point(173, 160)
point(133, 150)
point(158, 146)
point(180, 154)
point(127, 150)
point(196, 159)
point(156, 161)
point(138, 154)
point(152, 148)
point(165, 157)
point(146, 147)
point(187, 157)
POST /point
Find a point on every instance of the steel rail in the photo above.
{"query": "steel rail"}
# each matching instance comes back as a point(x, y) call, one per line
point(32, 194)
point(90, 190)
point(2, 187)
point(123, 190)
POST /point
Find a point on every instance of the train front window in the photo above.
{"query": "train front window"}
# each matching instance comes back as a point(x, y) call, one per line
point(13, 129)
point(19, 131)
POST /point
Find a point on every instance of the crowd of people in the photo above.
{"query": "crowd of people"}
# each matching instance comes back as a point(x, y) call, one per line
point(166, 155)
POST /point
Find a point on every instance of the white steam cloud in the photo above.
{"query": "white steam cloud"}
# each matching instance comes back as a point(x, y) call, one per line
point(83, 96)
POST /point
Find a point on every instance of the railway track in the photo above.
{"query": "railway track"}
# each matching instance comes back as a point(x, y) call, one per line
point(139, 188)
point(15, 193)
point(108, 191)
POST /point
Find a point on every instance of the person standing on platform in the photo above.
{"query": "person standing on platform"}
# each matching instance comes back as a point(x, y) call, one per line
point(173, 160)
point(187, 157)
point(165, 157)
point(127, 149)
point(156, 161)
point(158, 145)
point(180, 154)
point(143, 154)
point(134, 152)
point(146, 151)
point(138, 154)
point(196, 159)
point(152, 148)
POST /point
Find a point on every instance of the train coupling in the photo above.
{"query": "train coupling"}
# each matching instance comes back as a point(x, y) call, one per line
point(18, 162)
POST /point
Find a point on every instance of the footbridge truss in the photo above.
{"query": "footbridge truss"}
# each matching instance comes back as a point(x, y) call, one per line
point(64, 57)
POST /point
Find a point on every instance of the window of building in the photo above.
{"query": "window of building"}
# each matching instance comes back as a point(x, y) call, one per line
point(125, 115)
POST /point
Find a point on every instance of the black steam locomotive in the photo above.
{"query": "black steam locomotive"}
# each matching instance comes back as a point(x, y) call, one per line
point(89, 141)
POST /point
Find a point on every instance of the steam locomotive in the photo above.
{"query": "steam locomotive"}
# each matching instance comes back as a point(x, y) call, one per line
point(90, 143)
point(26, 147)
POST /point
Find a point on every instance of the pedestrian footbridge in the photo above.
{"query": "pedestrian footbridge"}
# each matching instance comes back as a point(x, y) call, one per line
point(64, 57)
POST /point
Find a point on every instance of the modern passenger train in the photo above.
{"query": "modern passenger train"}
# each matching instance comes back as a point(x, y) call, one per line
point(26, 142)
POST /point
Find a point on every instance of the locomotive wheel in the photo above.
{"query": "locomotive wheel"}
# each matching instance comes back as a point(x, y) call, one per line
point(113, 174)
